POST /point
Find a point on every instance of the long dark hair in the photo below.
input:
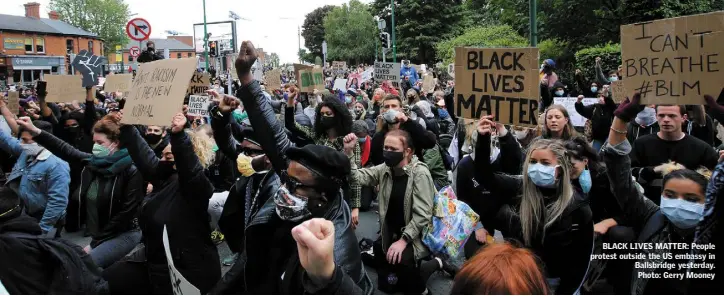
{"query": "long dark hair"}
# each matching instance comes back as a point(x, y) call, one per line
point(578, 148)
point(342, 117)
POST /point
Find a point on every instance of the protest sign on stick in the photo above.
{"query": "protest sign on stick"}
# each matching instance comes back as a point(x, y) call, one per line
point(158, 91)
point(198, 105)
point(14, 102)
point(118, 82)
point(388, 71)
point(64, 88)
point(200, 83)
point(570, 104)
point(311, 79)
point(89, 65)
point(273, 80)
point(179, 284)
point(676, 60)
point(497, 81)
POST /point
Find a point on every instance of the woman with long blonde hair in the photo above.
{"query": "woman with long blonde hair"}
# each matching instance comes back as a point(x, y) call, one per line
point(557, 124)
point(547, 214)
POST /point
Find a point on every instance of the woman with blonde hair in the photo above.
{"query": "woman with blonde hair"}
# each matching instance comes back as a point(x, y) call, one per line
point(557, 124)
point(548, 215)
point(178, 205)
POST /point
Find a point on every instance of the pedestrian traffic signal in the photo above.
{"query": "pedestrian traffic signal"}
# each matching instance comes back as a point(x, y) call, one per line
point(213, 48)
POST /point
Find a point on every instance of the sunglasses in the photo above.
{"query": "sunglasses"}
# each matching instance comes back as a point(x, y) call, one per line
point(291, 183)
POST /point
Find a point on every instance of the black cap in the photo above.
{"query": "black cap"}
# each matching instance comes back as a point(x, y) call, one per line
point(324, 161)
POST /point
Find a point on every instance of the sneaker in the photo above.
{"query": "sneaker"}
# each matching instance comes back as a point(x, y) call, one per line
point(228, 261)
point(217, 237)
point(451, 269)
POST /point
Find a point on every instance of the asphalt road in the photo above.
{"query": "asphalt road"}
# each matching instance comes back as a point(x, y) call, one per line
point(439, 284)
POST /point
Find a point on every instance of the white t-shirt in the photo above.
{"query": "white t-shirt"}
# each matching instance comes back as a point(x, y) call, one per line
point(4, 127)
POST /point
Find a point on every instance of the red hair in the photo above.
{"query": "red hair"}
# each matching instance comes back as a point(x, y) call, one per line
point(500, 269)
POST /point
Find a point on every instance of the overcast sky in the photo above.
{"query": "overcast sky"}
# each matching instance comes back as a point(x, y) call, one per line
point(272, 24)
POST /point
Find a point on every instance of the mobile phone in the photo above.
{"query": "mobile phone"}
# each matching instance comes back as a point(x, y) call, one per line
point(40, 88)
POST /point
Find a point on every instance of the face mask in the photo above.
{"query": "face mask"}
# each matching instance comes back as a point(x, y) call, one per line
point(542, 175)
point(165, 169)
point(73, 130)
point(390, 116)
point(290, 207)
point(348, 100)
point(559, 93)
point(613, 78)
point(594, 89)
point(443, 113)
point(392, 158)
point(100, 150)
point(327, 122)
point(646, 117)
point(684, 214)
point(243, 164)
point(152, 138)
point(377, 98)
point(362, 140)
point(32, 149)
point(585, 180)
point(520, 134)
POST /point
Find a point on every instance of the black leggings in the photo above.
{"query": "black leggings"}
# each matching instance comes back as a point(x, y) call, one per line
point(403, 277)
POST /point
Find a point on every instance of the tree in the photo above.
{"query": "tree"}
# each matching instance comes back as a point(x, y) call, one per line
point(106, 18)
point(313, 29)
point(496, 36)
point(305, 56)
point(274, 60)
point(350, 31)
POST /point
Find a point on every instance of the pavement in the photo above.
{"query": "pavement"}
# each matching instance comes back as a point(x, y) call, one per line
point(439, 284)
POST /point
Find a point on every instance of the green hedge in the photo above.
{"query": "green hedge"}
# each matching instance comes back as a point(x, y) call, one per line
point(610, 55)
point(552, 49)
point(494, 36)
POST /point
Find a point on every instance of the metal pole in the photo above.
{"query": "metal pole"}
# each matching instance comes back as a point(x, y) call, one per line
point(394, 46)
point(377, 48)
point(533, 23)
point(299, 42)
point(206, 41)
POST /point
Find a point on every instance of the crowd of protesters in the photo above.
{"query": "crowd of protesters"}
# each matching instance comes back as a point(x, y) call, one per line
point(281, 176)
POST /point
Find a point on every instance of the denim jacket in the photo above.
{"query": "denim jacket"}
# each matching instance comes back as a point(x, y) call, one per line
point(44, 182)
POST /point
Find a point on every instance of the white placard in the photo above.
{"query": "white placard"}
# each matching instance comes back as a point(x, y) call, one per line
point(199, 105)
point(258, 71)
point(340, 84)
point(570, 104)
point(179, 284)
point(388, 71)
point(367, 75)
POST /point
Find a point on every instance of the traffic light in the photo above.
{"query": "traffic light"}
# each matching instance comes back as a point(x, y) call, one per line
point(385, 40)
point(213, 48)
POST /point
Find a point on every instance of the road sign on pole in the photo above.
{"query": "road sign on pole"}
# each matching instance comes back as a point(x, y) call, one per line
point(138, 29)
point(135, 51)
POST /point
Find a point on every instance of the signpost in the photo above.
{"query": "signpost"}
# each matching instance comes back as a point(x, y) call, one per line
point(135, 51)
point(138, 29)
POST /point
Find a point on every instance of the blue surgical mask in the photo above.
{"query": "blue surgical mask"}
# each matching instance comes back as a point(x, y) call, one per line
point(362, 140)
point(559, 93)
point(684, 214)
point(585, 180)
point(443, 113)
point(594, 89)
point(542, 175)
point(613, 78)
point(348, 100)
point(646, 117)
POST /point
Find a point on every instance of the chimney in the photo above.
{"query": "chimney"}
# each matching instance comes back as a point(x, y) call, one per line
point(32, 10)
point(53, 15)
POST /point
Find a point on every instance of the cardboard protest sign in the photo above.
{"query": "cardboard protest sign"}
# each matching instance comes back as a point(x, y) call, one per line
point(257, 70)
point(200, 83)
point(179, 284)
point(118, 82)
point(340, 84)
point(198, 105)
point(299, 67)
point(64, 88)
point(89, 65)
point(339, 65)
point(676, 60)
point(311, 79)
point(428, 83)
point(14, 102)
point(570, 104)
point(451, 70)
point(158, 91)
point(618, 91)
point(497, 81)
point(367, 75)
point(273, 79)
point(101, 81)
point(388, 71)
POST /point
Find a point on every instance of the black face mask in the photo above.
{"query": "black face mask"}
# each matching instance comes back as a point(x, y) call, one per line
point(392, 158)
point(73, 131)
point(153, 138)
point(165, 169)
point(326, 122)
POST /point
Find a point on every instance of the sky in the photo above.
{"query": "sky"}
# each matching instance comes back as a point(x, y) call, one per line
point(271, 25)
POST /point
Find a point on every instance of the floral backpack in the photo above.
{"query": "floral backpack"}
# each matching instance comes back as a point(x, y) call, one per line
point(452, 223)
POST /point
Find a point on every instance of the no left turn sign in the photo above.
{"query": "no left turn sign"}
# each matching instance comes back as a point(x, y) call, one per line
point(138, 29)
point(135, 51)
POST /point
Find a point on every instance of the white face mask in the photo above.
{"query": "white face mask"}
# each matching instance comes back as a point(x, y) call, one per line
point(32, 149)
point(520, 134)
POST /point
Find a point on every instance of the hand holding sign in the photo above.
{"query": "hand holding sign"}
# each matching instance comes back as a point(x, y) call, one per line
point(90, 66)
point(178, 123)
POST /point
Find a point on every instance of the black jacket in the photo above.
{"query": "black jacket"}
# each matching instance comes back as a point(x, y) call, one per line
point(147, 56)
point(601, 117)
point(180, 203)
point(119, 197)
point(260, 234)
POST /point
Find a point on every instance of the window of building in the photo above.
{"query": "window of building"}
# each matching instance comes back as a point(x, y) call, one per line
point(130, 58)
point(40, 45)
point(90, 47)
point(69, 46)
point(28, 44)
point(178, 55)
point(189, 54)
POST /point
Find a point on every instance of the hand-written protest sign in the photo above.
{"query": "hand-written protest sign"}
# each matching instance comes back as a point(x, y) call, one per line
point(180, 285)
point(118, 82)
point(158, 91)
point(451, 70)
point(674, 61)
point(367, 75)
point(257, 70)
point(299, 67)
point(310, 80)
point(273, 79)
point(618, 91)
point(199, 105)
point(388, 71)
point(340, 84)
point(570, 104)
point(14, 102)
point(64, 88)
point(89, 65)
point(200, 83)
point(339, 66)
point(498, 81)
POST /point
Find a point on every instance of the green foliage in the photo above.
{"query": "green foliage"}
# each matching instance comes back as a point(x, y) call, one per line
point(305, 56)
point(496, 36)
point(273, 60)
point(313, 29)
point(610, 55)
point(107, 18)
point(552, 49)
point(350, 30)
point(318, 61)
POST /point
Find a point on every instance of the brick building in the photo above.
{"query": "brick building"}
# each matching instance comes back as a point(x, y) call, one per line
point(178, 47)
point(31, 46)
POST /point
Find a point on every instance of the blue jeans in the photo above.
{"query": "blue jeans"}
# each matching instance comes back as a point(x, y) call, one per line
point(114, 249)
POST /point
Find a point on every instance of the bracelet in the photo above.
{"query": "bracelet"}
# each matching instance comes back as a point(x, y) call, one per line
point(618, 131)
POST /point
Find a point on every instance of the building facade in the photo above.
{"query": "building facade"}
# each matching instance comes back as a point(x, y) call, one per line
point(31, 46)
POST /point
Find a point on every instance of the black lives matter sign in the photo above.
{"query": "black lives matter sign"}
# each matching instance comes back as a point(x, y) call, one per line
point(499, 81)
point(674, 61)
point(388, 71)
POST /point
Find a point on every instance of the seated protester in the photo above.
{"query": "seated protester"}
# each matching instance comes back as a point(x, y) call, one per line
point(359, 128)
point(374, 109)
point(406, 200)
point(669, 144)
point(109, 180)
point(600, 114)
point(425, 112)
point(33, 265)
point(699, 124)
point(39, 178)
point(644, 124)
point(311, 179)
point(393, 117)
point(683, 200)
point(557, 124)
point(333, 122)
point(179, 202)
point(433, 158)
point(552, 218)
point(157, 139)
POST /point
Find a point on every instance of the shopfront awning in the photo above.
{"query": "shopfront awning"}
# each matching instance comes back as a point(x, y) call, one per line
point(32, 68)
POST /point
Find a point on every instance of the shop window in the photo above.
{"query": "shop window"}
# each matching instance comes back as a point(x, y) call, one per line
point(189, 54)
point(28, 44)
point(69, 46)
point(90, 47)
point(178, 55)
point(39, 45)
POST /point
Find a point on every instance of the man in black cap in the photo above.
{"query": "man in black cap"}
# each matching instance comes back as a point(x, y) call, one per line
point(309, 185)
point(150, 54)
